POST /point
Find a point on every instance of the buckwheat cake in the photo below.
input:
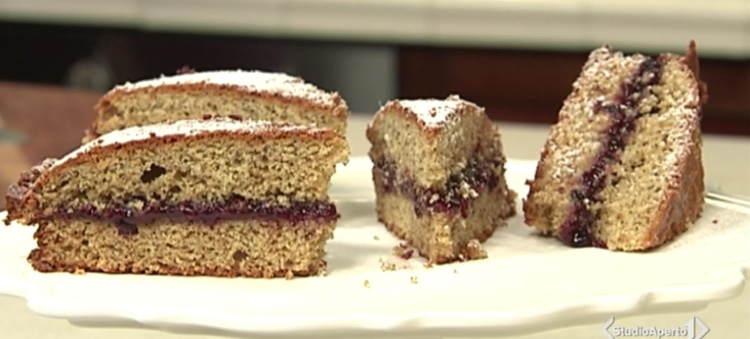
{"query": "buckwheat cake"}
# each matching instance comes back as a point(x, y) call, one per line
point(239, 94)
point(439, 175)
point(622, 167)
point(214, 197)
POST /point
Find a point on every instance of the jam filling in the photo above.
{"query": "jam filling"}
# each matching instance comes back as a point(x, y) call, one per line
point(579, 228)
point(476, 177)
point(234, 117)
point(236, 208)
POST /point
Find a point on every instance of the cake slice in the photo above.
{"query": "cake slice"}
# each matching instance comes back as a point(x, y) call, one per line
point(439, 175)
point(622, 167)
point(238, 94)
point(216, 197)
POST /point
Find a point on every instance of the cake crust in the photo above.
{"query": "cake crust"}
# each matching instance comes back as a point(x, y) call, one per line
point(263, 88)
point(432, 115)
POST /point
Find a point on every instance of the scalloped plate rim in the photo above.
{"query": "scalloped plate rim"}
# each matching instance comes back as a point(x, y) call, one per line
point(730, 285)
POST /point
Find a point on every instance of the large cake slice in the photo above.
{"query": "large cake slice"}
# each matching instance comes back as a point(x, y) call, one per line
point(439, 174)
point(622, 167)
point(238, 94)
point(216, 197)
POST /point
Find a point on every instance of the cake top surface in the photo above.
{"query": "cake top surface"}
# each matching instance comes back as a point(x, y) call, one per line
point(280, 84)
point(434, 112)
point(185, 128)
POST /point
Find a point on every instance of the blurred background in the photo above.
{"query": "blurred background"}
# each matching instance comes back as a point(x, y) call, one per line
point(516, 58)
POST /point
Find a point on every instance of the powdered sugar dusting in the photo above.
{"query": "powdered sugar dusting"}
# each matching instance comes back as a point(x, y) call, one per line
point(576, 137)
point(436, 112)
point(182, 128)
point(279, 84)
point(678, 141)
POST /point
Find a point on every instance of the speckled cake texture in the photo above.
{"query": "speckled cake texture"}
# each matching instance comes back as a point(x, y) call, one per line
point(439, 174)
point(622, 167)
point(219, 197)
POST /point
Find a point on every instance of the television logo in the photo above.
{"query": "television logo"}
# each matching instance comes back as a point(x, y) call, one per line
point(695, 328)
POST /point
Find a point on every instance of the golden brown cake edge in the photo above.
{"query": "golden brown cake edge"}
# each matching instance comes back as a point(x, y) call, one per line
point(338, 108)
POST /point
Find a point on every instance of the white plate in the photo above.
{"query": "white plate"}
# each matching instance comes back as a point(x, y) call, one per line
point(528, 284)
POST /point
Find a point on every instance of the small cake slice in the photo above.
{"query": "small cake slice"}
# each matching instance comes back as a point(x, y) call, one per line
point(238, 94)
point(216, 197)
point(622, 167)
point(439, 175)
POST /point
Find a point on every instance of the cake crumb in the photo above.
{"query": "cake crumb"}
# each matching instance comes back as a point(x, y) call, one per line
point(433, 198)
point(474, 251)
point(413, 280)
point(467, 191)
point(428, 264)
point(715, 221)
point(375, 237)
point(403, 251)
point(79, 271)
point(386, 266)
point(455, 271)
point(367, 283)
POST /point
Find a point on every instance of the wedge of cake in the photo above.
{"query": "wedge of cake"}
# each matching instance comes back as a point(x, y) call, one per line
point(622, 167)
point(238, 94)
point(217, 197)
point(439, 175)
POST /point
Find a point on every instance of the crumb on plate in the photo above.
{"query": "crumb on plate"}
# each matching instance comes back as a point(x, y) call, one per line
point(386, 266)
point(473, 251)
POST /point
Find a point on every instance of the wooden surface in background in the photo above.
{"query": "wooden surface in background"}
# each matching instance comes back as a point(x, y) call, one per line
point(54, 120)
point(531, 86)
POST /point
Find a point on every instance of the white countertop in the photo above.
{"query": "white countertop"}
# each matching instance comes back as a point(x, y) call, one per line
point(727, 165)
point(721, 27)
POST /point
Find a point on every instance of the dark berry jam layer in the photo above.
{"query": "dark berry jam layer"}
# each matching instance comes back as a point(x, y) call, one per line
point(579, 228)
point(478, 176)
point(236, 208)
